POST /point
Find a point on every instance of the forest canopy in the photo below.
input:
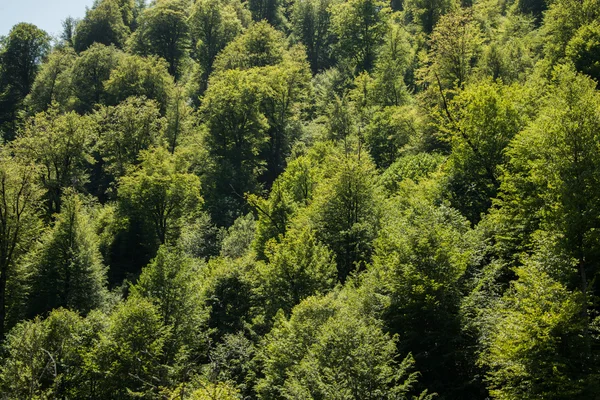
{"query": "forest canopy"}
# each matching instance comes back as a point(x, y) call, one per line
point(302, 199)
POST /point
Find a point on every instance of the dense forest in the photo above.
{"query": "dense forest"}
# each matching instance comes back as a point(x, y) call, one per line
point(302, 199)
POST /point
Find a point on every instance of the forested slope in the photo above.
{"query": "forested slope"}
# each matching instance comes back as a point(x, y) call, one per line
point(302, 199)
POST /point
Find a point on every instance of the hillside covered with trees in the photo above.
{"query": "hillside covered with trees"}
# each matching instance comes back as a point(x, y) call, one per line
point(302, 199)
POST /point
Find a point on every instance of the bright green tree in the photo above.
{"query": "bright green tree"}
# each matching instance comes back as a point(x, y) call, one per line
point(328, 349)
point(297, 268)
point(52, 82)
point(160, 194)
point(481, 122)
point(236, 136)
point(260, 45)
point(140, 76)
point(61, 145)
point(454, 46)
point(534, 348)
point(347, 210)
point(127, 359)
point(46, 358)
point(19, 227)
point(421, 256)
point(172, 283)
point(125, 130)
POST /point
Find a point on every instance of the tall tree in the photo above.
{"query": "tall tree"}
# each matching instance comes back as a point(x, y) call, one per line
point(67, 267)
point(236, 135)
point(213, 24)
point(140, 76)
point(454, 46)
point(360, 27)
point(311, 22)
point(19, 219)
point(53, 81)
point(88, 74)
point(102, 24)
point(21, 53)
point(347, 211)
point(61, 145)
point(163, 31)
point(160, 194)
point(481, 122)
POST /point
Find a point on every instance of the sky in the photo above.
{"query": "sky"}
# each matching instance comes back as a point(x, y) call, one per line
point(45, 14)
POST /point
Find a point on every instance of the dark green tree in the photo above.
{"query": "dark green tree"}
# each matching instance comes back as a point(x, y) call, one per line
point(104, 24)
point(360, 27)
point(67, 268)
point(311, 25)
point(21, 53)
point(163, 31)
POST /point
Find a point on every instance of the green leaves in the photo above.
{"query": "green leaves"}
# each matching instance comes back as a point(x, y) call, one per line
point(534, 346)
point(163, 30)
point(104, 24)
point(161, 194)
point(360, 26)
point(67, 267)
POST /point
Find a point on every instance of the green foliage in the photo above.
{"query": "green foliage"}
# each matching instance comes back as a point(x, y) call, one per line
point(126, 360)
point(138, 76)
point(535, 346)
point(239, 237)
point(233, 360)
point(104, 24)
point(171, 282)
point(163, 31)
point(302, 199)
point(210, 391)
point(584, 50)
point(421, 255)
point(412, 166)
point(550, 178)
point(260, 45)
point(125, 130)
point(21, 53)
point(427, 13)
point(267, 10)
point(52, 82)
point(454, 46)
point(485, 117)
point(394, 58)
point(213, 24)
point(563, 20)
point(297, 268)
point(360, 26)
point(228, 293)
point(311, 25)
point(46, 358)
point(67, 268)
point(160, 195)
point(88, 74)
point(347, 211)
point(328, 350)
point(388, 131)
point(19, 227)
point(60, 144)
point(236, 135)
